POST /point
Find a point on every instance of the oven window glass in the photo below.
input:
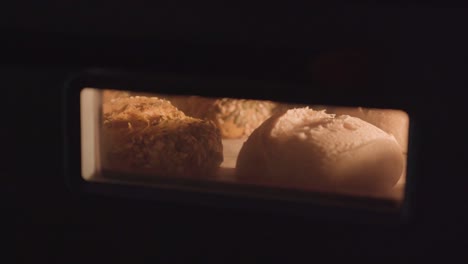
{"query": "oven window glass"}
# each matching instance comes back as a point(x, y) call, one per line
point(157, 139)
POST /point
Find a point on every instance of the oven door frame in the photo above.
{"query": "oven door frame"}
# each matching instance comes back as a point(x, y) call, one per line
point(313, 206)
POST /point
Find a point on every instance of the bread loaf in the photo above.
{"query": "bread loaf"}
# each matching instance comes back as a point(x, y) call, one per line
point(304, 148)
point(108, 95)
point(394, 122)
point(236, 118)
point(150, 135)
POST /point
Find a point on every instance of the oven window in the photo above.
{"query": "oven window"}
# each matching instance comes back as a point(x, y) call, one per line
point(158, 139)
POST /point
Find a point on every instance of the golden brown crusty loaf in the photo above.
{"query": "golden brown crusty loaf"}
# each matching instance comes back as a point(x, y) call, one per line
point(304, 148)
point(236, 118)
point(150, 135)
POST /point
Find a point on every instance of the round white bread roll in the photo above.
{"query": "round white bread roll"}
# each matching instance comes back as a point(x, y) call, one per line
point(304, 148)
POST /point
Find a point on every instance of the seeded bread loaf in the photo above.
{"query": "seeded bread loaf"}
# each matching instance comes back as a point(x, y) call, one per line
point(149, 135)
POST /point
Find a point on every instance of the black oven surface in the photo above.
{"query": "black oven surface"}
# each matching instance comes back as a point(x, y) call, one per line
point(395, 56)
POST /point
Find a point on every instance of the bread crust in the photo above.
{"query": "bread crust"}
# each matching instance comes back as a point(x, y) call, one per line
point(236, 118)
point(151, 136)
point(303, 148)
point(108, 95)
point(394, 122)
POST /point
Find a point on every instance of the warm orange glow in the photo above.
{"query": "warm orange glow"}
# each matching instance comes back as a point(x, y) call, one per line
point(355, 151)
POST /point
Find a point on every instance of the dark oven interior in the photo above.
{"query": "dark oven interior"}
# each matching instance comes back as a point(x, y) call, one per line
point(377, 57)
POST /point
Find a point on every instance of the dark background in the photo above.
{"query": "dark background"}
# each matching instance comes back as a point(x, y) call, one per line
point(415, 53)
